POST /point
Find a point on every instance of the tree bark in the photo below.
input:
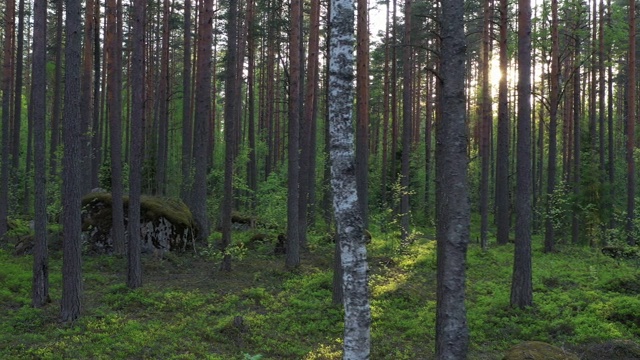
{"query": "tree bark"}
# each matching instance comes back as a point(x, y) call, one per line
point(96, 143)
point(503, 213)
point(229, 130)
point(162, 118)
point(40, 295)
point(549, 236)
point(631, 126)
point(362, 112)
point(293, 231)
point(86, 102)
point(187, 123)
point(134, 273)
point(17, 97)
point(7, 75)
point(202, 117)
point(577, 135)
point(57, 94)
point(485, 139)
point(406, 124)
point(350, 227)
point(521, 286)
point(452, 190)
point(114, 94)
point(71, 303)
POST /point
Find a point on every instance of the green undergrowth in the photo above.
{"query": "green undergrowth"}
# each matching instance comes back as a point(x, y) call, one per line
point(187, 309)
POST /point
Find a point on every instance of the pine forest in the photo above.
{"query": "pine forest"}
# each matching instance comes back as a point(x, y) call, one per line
point(319, 179)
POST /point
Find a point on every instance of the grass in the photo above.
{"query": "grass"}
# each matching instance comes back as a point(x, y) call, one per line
point(187, 309)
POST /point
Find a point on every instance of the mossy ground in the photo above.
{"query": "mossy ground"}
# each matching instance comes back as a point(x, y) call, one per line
point(187, 309)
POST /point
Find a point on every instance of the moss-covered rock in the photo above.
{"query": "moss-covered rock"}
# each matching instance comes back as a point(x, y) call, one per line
point(616, 349)
point(165, 223)
point(537, 350)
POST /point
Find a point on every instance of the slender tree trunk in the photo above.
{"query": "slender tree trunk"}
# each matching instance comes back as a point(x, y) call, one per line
point(86, 101)
point(71, 302)
point(521, 286)
point(308, 151)
point(187, 123)
point(134, 273)
point(452, 190)
point(202, 117)
point(96, 143)
point(252, 167)
point(362, 103)
point(610, 119)
point(394, 102)
point(631, 126)
point(601, 94)
point(385, 114)
point(162, 119)
point(577, 134)
point(293, 236)
point(7, 75)
point(229, 130)
point(406, 123)
point(350, 227)
point(40, 295)
point(114, 87)
point(17, 97)
point(549, 236)
point(57, 94)
point(485, 156)
point(503, 212)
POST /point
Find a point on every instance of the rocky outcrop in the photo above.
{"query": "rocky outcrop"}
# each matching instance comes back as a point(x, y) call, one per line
point(537, 350)
point(165, 224)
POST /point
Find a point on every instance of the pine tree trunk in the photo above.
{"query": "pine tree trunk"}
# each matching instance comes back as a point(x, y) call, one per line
point(631, 126)
point(406, 123)
point(549, 237)
point(163, 106)
point(17, 97)
point(114, 87)
point(452, 189)
point(293, 236)
point(229, 131)
point(134, 273)
point(521, 286)
point(38, 111)
point(577, 134)
point(503, 213)
point(86, 102)
point(7, 75)
point(96, 143)
point(57, 95)
point(187, 123)
point(71, 302)
point(362, 103)
point(201, 120)
point(485, 139)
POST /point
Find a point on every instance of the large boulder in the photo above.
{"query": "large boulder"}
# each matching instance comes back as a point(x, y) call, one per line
point(537, 350)
point(614, 349)
point(165, 223)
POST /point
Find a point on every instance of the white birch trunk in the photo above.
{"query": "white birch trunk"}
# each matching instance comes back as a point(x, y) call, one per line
point(357, 318)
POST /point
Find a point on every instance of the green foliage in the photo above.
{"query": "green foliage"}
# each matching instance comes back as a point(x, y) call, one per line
point(272, 201)
point(188, 310)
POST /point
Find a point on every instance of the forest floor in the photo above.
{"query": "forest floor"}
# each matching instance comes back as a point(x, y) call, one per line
point(584, 301)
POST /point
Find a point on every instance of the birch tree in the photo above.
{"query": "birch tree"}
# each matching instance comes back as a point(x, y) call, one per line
point(349, 224)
